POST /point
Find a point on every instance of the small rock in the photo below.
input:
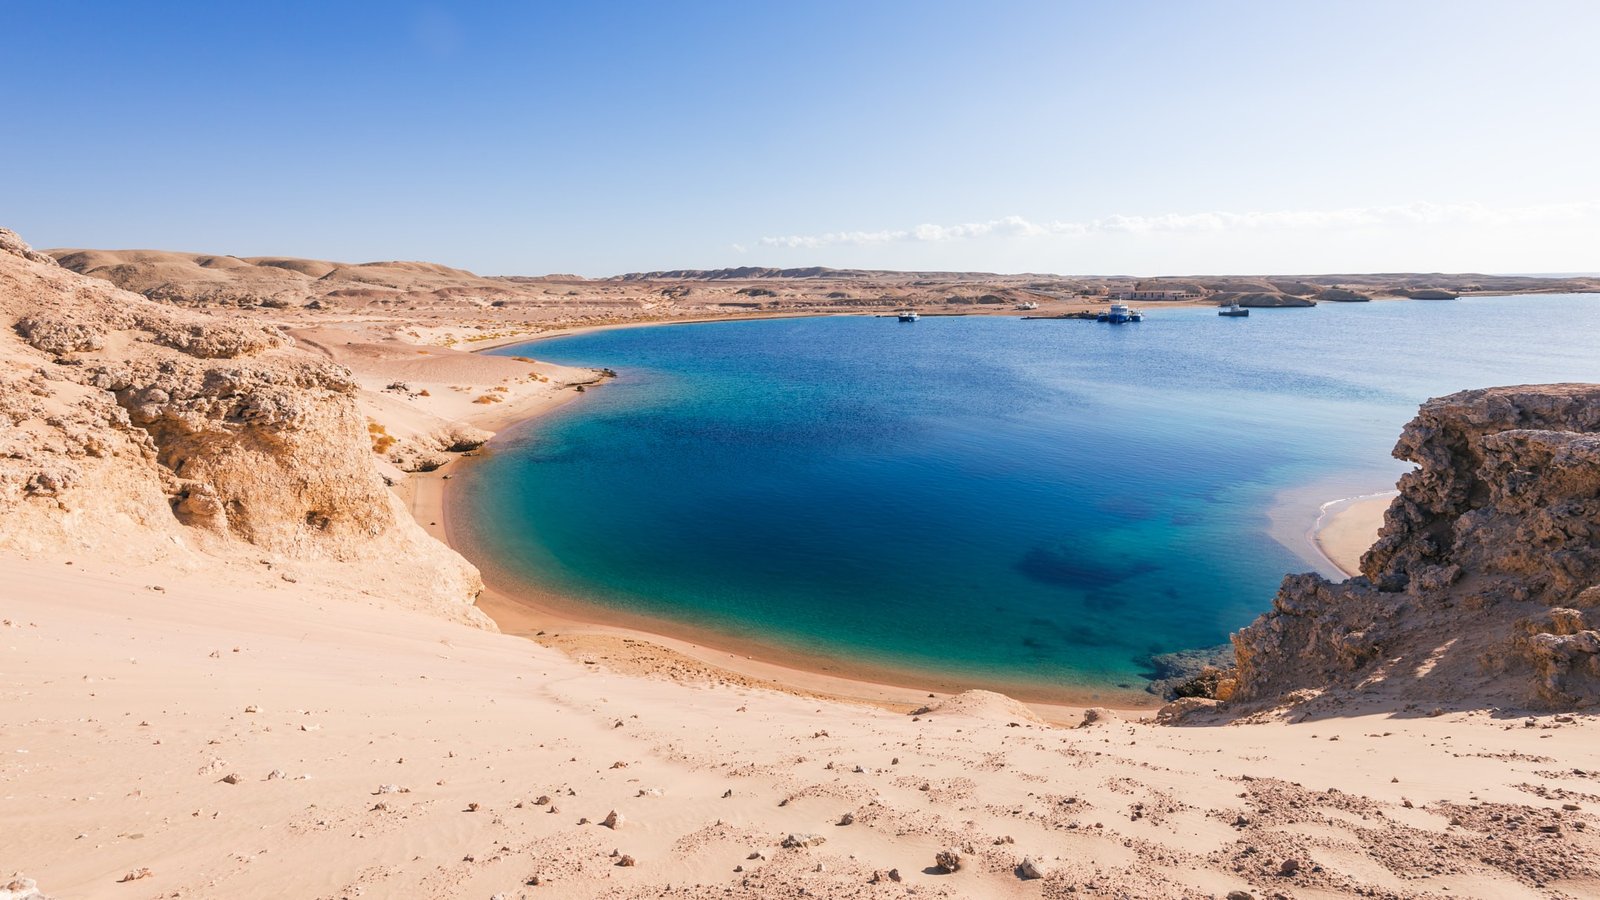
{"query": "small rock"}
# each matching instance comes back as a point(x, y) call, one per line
point(613, 820)
point(1241, 895)
point(392, 789)
point(544, 800)
point(276, 774)
point(625, 860)
point(847, 819)
point(472, 807)
point(135, 875)
point(1097, 715)
point(727, 793)
point(252, 708)
point(1289, 867)
point(231, 778)
point(948, 859)
point(803, 840)
point(1029, 870)
point(20, 888)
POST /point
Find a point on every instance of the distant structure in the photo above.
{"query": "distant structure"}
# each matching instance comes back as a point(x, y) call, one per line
point(1156, 296)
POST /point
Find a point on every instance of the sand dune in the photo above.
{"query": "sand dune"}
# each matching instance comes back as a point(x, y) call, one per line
point(136, 694)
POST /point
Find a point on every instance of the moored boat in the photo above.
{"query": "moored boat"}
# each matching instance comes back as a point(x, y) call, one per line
point(909, 315)
point(1232, 309)
point(1120, 313)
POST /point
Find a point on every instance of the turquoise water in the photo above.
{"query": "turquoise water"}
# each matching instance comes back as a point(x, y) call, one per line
point(994, 499)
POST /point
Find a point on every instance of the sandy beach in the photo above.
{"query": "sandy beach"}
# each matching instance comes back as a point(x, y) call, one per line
point(1346, 528)
point(173, 745)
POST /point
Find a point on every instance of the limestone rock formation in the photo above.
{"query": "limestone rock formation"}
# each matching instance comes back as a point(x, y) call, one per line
point(144, 431)
point(1485, 577)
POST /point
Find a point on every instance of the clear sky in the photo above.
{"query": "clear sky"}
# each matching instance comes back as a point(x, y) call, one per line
point(603, 137)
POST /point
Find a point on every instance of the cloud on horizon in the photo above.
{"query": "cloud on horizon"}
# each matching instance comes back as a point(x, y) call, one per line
point(1013, 227)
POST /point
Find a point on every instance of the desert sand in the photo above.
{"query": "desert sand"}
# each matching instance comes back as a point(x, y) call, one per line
point(237, 739)
point(1348, 527)
point(233, 665)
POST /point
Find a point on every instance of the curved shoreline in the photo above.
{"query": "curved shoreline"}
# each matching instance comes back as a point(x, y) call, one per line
point(1345, 529)
point(587, 630)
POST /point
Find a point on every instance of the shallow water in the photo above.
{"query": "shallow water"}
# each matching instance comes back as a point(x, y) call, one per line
point(1019, 501)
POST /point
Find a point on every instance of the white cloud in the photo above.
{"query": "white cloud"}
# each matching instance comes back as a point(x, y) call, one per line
point(1011, 227)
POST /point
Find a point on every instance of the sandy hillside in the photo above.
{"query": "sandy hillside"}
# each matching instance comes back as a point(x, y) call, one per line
point(232, 666)
point(133, 706)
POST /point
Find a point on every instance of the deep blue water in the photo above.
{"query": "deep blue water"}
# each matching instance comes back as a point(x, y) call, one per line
point(991, 498)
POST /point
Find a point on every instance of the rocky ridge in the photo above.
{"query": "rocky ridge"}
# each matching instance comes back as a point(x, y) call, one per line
point(136, 430)
point(1485, 579)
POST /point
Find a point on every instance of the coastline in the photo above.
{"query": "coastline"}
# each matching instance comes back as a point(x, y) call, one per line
point(1346, 528)
point(653, 646)
point(649, 645)
point(658, 647)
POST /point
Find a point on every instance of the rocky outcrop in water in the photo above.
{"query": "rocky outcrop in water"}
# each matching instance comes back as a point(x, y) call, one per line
point(1485, 579)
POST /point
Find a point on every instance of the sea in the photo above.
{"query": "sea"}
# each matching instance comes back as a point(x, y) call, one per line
point(994, 500)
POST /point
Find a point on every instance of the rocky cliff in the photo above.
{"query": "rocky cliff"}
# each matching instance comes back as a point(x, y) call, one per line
point(1485, 579)
point(138, 431)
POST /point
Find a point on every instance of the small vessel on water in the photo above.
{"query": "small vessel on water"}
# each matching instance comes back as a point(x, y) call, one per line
point(1232, 309)
point(1120, 313)
point(909, 315)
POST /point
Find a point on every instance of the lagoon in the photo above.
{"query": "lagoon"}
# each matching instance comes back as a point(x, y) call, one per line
point(1001, 501)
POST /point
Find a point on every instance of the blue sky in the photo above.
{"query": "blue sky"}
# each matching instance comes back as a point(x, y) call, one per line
point(604, 137)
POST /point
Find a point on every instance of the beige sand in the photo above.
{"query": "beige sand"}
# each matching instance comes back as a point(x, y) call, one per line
point(1348, 527)
point(130, 697)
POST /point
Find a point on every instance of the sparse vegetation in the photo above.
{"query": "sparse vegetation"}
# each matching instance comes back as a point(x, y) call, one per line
point(382, 440)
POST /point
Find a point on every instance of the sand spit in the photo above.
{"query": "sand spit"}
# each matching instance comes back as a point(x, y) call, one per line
point(1346, 528)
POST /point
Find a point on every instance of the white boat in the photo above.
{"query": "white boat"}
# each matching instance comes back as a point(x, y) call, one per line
point(1120, 313)
point(1232, 309)
point(909, 315)
point(1030, 305)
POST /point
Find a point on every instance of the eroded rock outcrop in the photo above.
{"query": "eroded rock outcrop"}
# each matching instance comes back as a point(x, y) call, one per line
point(143, 431)
point(1485, 579)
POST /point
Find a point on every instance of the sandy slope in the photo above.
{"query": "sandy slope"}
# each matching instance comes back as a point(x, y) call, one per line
point(125, 708)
